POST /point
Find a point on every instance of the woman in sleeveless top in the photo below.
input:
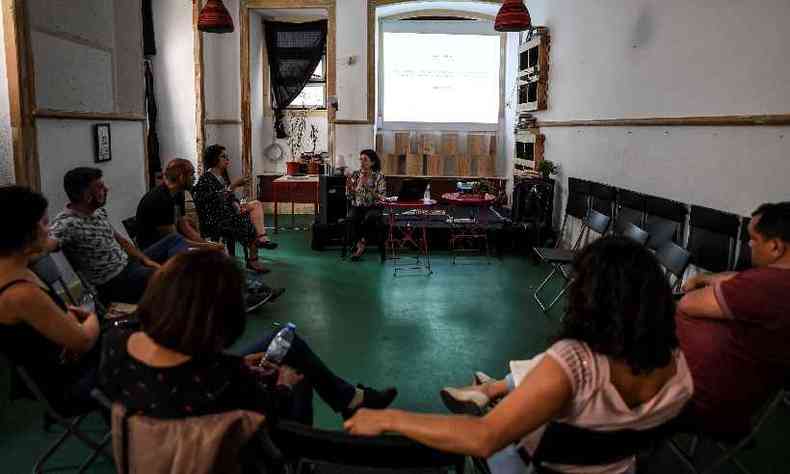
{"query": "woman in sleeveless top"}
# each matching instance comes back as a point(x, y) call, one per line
point(220, 212)
point(614, 366)
point(37, 330)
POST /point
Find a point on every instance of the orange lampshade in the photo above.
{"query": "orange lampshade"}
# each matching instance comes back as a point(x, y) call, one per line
point(214, 18)
point(513, 16)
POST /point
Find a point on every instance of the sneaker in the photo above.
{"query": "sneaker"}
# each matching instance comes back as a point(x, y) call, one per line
point(255, 300)
point(465, 400)
point(481, 378)
point(372, 398)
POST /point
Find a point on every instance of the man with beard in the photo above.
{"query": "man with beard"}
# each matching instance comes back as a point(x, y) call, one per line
point(106, 261)
point(161, 215)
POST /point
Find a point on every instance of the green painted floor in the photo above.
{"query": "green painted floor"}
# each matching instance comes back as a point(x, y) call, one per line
point(417, 332)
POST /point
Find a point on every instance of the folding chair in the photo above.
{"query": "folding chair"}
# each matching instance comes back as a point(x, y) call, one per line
point(47, 270)
point(665, 221)
point(674, 259)
point(712, 238)
point(561, 259)
point(603, 198)
point(316, 451)
point(71, 426)
point(744, 261)
point(636, 234)
point(630, 210)
point(729, 449)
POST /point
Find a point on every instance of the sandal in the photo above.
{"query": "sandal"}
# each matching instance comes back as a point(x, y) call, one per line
point(262, 241)
point(252, 264)
point(359, 250)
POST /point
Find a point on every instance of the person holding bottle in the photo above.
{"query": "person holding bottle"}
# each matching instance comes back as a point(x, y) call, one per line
point(364, 189)
point(176, 365)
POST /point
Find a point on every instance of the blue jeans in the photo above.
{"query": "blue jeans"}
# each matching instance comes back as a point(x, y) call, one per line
point(336, 392)
point(129, 285)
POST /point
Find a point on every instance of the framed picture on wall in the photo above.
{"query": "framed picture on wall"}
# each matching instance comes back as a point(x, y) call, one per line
point(102, 142)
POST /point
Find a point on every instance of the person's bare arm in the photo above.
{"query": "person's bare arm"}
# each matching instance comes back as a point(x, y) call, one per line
point(701, 280)
point(134, 252)
point(702, 303)
point(76, 331)
point(185, 228)
point(536, 401)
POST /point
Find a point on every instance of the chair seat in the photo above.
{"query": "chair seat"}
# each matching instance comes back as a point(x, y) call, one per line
point(555, 255)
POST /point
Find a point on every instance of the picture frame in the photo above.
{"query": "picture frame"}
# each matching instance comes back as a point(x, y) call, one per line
point(102, 141)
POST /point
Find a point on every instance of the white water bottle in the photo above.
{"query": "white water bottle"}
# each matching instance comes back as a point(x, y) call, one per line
point(280, 345)
point(427, 196)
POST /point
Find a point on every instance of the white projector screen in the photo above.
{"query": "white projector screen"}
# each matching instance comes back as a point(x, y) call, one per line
point(442, 78)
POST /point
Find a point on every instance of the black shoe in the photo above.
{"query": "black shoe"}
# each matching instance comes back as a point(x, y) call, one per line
point(372, 398)
point(355, 258)
point(269, 245)
point(254, 301)
point(276, 292)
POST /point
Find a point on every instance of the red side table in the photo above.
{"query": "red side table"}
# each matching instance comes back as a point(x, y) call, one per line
point(465, 232)
point(412, 235)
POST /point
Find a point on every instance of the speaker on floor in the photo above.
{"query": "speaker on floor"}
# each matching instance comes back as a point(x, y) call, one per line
point(333, 198)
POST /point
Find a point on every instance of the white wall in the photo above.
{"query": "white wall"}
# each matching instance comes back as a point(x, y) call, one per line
point(174, 73)
point(88, 58)
point(6, 144)
point(641, 58)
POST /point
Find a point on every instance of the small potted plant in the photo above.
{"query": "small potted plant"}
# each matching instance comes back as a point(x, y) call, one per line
point(547, 168)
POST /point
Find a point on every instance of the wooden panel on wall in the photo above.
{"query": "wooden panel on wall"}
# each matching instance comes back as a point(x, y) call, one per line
point(492, 146)
point(402, 145)
point(450, 165)
point(414, 164)
point(390, 164)
point(380, 144)
point(485, 165)
point(463, 165)
point(428, 144)
point(475, 144)
point(449, 144)
point(435, 165)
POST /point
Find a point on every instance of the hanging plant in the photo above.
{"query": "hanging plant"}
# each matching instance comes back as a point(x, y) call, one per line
point(297, 124)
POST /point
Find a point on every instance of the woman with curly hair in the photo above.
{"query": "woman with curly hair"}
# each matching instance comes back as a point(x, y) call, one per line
point(220, 212)
point(365, 188)
point(614, 366)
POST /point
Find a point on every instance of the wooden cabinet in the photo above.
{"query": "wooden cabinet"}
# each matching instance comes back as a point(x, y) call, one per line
point(533, 72)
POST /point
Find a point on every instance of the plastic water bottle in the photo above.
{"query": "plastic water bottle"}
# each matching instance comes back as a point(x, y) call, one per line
point(88, 303)
point(427, 196)
point(280, 345)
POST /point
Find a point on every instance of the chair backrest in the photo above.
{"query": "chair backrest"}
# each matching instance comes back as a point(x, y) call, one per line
point(603, 198)
point(630, 209)
point(48, 271)
point(745, 252)
point(665, 221)
point(712, 238)
point(194, 445)
point(591, 447)
point(635, 233)
point(310, 447)
point(674, 259)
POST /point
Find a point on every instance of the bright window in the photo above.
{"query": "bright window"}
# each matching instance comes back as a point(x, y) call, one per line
point(314, 93)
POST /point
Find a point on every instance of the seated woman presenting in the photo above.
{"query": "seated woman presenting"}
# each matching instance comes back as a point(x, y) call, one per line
point(56, 344)
point(176, 366)
point(364, 188)
point(614, 366)
point(220, 212)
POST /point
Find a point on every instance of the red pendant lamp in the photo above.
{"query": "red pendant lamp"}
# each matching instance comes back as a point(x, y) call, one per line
point(214, 18)
point(513, 16)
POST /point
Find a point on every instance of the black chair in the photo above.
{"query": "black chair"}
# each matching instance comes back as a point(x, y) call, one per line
point(130, 225)
point(71, 428)
point(744, 261)
point(561, 259)
point(665, 221)
point(636, 234)
point(712, 238)
point(533, 205)
point(47, 270)
point(729, 448)
point(316, 451)
point(603, 198)
point(630, 210)
point(675, 260)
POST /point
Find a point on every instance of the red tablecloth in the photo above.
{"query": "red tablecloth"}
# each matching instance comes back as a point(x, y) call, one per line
point(460, 199)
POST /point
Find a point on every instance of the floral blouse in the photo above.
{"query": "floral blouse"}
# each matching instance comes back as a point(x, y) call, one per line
point(368, 193)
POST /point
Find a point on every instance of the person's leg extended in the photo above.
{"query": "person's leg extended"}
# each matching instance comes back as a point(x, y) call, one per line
point(167, 247)
point(128, 286)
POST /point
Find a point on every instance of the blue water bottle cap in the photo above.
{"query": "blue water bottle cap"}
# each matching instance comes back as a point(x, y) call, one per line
point(291, 326)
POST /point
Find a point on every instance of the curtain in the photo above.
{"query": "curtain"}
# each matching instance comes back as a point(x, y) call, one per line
point(294, 50)
point(154, 163)
point(149, 39)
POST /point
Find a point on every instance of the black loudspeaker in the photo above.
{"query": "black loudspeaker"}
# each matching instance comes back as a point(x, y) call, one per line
point(333, 198)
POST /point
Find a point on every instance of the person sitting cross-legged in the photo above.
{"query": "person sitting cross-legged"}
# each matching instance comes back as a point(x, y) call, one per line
point(365, 188)
point(220, 212)
point(615, 365)
point(176, 366)
point(734, 327)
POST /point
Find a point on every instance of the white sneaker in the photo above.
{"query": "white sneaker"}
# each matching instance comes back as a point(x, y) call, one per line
point(481, 378)
point(465, 400)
